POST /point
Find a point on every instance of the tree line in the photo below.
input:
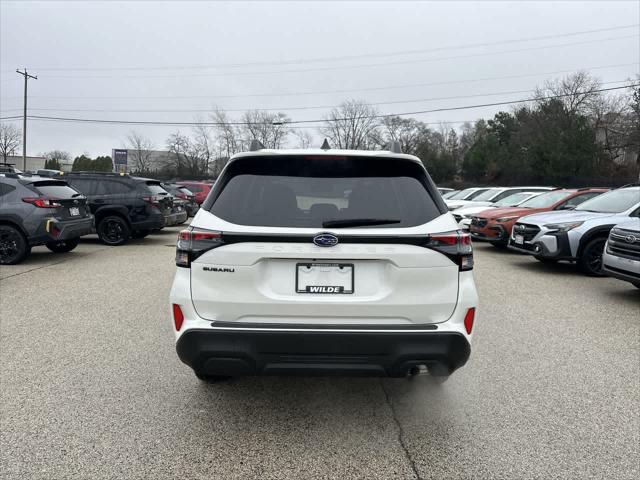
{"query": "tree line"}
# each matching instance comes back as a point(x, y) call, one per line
point(570, 132)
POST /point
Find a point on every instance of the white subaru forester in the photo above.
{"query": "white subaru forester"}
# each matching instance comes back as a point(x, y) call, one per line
point(323, 262)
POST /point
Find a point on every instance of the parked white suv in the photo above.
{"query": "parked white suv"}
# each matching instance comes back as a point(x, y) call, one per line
point(323, 262)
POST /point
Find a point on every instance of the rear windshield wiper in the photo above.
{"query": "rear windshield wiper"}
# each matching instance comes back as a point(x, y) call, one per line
point(358, 222)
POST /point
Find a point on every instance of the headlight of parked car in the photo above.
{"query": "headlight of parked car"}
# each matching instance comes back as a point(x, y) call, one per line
point(563, 227)
point(506, 219)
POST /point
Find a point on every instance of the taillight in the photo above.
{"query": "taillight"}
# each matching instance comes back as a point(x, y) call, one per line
point(178, 317)
point(468, 320)
point(194, 242)
point(41, 202)
point(456, 245)
point(152, 199)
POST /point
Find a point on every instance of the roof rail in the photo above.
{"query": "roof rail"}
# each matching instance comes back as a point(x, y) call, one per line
point(394, 146)
point(634, 184)
point(88, 172)
point(255, 145)
point(325, 145)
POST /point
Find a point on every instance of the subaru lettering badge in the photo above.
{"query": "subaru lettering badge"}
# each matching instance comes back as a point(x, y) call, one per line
point(325, 240)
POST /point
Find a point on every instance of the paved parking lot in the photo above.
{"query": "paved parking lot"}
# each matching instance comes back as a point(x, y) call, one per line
point(91, 386)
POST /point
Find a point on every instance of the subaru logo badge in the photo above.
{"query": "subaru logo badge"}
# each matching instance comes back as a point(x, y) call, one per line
point(325, 240)
point(631, 239)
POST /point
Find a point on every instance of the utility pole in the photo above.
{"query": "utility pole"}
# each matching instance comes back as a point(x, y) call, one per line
point(26, 76)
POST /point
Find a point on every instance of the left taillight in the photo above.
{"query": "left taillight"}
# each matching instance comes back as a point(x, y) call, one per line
point(41, 202)
point(194, 242)
point(456, 245)
point(178, 317)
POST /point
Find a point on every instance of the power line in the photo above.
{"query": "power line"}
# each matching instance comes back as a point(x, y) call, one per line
point(280, 109)
point(343, 57)
point(322, 120)
point(349, 67)
point(323, 92)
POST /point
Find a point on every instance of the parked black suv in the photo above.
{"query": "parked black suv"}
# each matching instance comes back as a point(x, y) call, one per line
point(124, 206)
point(39, 211)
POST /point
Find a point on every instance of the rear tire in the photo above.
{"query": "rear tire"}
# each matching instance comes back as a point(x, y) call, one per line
point(14, 247)
point(63, 246)
point(590, 261)
point(113, 230)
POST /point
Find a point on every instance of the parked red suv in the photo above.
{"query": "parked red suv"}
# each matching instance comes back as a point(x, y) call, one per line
point(200, 189)
point(495, 225)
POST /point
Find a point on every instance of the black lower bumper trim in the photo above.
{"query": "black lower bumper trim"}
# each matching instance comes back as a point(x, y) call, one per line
point(261, 352)
point(621, 274)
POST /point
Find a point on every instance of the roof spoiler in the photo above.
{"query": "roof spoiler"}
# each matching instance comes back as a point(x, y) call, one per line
point(394, 147)
point(255, 145)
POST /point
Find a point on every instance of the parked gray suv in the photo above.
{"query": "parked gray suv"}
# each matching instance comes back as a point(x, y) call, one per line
point(39, 211)
point(577, 235)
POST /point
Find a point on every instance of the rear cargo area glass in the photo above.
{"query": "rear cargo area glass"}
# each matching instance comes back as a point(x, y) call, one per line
point(304, 192)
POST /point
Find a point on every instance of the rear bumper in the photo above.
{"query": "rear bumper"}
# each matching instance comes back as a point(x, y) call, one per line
point(246, 351)
point(175, 218)
point(54, 230)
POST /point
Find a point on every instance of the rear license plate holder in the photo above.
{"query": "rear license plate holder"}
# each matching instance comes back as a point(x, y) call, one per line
point(74, 211)
point(325, 278)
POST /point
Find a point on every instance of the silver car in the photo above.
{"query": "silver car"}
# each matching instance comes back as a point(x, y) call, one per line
point(577, 235)
point(621, 257)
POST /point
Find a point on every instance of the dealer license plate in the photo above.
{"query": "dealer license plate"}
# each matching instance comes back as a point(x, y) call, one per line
point(518, 239)
point(74, 211)
point(324, 278)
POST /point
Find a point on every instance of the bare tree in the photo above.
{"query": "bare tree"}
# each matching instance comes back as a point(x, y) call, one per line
point(271, 129)
point(203, 145)
point(351, 126)
point(407, 131)
point(577, 91)
point(227, 135)
point(141, 149)
point(183, 156)
point(305, 139)
point(9, 140)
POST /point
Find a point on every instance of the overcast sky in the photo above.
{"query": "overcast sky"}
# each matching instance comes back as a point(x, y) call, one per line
point(112, 60)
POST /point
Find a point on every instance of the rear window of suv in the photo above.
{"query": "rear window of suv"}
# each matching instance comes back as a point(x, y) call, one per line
point(307, 192)
point(55, 190)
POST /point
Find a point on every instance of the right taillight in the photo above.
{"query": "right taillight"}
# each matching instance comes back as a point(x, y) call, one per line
point(468, 320)
point(194, 242)
point(456, 245)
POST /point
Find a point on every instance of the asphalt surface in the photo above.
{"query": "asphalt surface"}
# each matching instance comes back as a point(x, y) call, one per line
point(91, 387)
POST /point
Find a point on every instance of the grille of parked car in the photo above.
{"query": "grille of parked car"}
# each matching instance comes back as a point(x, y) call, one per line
point(479, 221)
point(624, 243)
point(527, 231)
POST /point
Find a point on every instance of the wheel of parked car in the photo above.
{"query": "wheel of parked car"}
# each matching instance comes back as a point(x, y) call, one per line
point(140, 233)
point(63, 246)
point(590, 261)
point(546, 260)
point(113, 230)
point(13, 245)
